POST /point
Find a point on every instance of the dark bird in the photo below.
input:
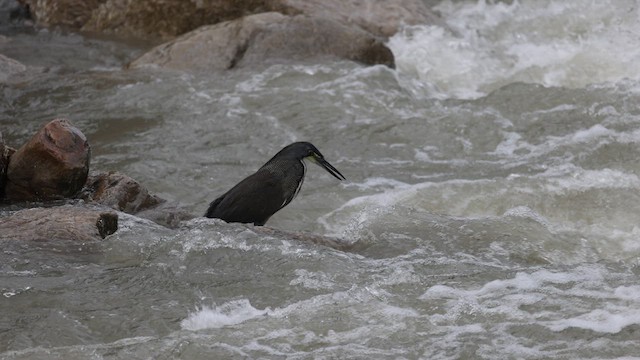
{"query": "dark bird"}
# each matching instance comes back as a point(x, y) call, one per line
point(272, 187)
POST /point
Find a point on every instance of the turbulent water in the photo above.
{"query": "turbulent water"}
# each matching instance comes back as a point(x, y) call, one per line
point(493, 197)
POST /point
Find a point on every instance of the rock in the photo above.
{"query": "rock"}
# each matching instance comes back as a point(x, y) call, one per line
point(166, 18)
point(170, 18)
point(5, 154)
point(10, 67)
point(69, 222)
point(12, 11)
point(334, 243)
point(53, 164)
point(261, 38)
point(120, 192)
point(70, 13)
point(382, 18)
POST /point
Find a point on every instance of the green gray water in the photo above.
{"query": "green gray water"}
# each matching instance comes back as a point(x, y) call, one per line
point(493, 200)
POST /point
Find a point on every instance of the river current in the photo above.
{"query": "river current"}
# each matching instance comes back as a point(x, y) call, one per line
point(492, 197)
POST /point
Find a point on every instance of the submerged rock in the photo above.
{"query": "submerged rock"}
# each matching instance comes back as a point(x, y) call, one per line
point(53, 164)
point(262, 38)
point(119, 191)
point(123, 193)
point(74, 223)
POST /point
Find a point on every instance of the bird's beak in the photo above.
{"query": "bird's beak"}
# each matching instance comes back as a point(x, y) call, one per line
point(325, 164)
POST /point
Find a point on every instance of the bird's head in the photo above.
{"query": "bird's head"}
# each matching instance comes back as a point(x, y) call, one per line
point(306, 151)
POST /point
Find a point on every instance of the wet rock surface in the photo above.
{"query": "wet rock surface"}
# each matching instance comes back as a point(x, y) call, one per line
point(121, 192)
point(170, 18)
point(68, 223)
point(53, 164)
point(264, 38)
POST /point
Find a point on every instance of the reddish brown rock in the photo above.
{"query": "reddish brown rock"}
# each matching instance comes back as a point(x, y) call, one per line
point(167, 18)
point(68, 223)
point(5, 154)
point(265, 38)
point(53, 164)
point(70, 13)
point(170, 18)
point(123, 193)
point(120, 192)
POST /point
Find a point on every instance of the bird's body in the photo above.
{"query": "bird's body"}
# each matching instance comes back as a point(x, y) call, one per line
point(272, 187)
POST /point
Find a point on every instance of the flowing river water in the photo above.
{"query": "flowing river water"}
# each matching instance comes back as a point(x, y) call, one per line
point(492, 193)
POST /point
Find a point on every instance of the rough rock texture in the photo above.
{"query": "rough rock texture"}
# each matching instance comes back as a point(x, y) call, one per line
point(5, 154)
point(9, 67)
point(71, 13)
point(382, 18)
point(75, 223)
point(167, 18)
point(53, 164)
point(170, 18)
point(123, 193)
point(262, 38)
point(120, 192)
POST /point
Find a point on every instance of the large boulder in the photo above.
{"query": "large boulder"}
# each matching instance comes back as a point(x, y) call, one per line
point(53, 164)
point(166, 18)
point(264, 38)
point(382, 18)
point(69, 13)
point(67, 223)
point(170, 18)
point(119, 192)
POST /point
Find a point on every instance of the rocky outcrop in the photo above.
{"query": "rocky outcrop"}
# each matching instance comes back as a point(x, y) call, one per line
point(166, 19)
point(69, 13)
point(5, 154)
point(381, 18)
point(53, 164)
point(65, 223)
point(120, 192)
point(266, 37)
point(170, 18)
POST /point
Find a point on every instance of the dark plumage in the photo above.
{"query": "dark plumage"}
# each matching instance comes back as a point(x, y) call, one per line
point(272, 187)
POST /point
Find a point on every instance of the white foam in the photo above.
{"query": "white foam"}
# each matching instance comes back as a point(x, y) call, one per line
point(230, 313)
point(602, 321)
point(569, 43)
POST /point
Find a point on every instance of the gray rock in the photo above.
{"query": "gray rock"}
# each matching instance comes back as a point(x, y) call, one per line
point(170, 18)
point(70, 13)
point(382, 18)
point(121, 192)
point(67, 223)
point(266, 38)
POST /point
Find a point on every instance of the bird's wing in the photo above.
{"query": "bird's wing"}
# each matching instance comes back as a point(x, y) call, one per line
point(253, 200)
